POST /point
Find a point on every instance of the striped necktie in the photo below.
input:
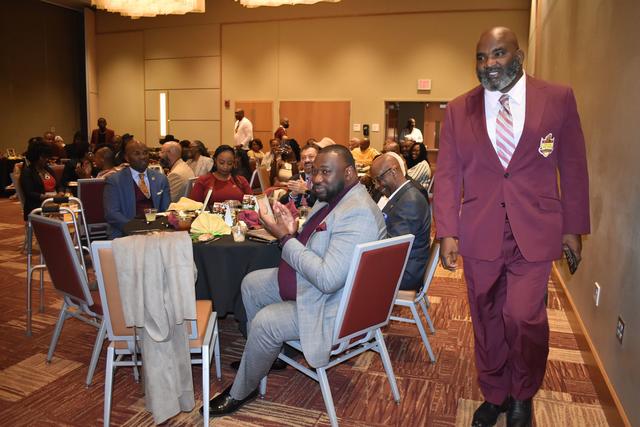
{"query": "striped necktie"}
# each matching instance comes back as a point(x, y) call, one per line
point(505, 141)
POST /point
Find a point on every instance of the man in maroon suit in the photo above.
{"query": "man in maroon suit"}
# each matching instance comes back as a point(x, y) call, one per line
point(502, 147)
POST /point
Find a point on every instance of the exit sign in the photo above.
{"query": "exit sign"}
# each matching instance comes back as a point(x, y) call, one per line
point(424, 84)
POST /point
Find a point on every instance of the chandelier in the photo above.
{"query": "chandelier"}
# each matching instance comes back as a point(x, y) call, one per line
point(138, 8)
point(258, 3)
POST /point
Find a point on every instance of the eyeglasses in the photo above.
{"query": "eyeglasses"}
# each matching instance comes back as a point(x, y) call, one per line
point(378, 179)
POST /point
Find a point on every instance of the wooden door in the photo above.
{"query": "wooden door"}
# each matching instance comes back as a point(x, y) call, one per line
point(260, 113)
point(433, 117)
point(317, 119)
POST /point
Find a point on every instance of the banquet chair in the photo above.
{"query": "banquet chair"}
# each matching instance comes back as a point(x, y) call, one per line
point(70, 281)
point(411, 300)
point(189, 186)
point(203, 338)
point(367, 298)
point(90, 193)
point(47, 209)
point(264, 177)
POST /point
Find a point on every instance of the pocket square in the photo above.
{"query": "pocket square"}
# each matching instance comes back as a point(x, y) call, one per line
point(322, 227)
point(159, 192)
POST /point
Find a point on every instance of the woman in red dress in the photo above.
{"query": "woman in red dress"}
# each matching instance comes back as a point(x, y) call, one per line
point(223, 179)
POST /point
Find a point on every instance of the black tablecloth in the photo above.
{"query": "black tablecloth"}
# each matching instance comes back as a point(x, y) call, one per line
point(222, 264)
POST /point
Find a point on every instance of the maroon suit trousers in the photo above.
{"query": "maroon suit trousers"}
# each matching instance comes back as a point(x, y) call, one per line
point(506, 298)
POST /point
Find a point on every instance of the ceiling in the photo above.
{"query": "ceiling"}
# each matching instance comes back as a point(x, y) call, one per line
point(70, 4)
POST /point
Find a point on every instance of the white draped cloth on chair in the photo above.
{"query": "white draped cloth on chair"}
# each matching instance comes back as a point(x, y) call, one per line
point(156, 276)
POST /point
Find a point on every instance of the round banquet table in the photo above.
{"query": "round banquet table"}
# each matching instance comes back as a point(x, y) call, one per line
point(221, 264)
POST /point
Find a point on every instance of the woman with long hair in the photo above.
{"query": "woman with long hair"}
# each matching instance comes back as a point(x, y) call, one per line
point(283, 168)
point(200, 162)
point(242, 166)
point(418, 165)
point(223, 179)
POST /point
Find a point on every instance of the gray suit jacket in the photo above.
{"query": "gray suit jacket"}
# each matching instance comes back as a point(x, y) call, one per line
point(408, 212)
point(322, 266)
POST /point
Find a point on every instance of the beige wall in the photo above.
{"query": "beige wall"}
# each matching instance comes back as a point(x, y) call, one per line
point(360, 51)
point(592, 46)
point(41, 81)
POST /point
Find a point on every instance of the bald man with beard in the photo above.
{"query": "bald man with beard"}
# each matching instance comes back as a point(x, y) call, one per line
point(498, 204)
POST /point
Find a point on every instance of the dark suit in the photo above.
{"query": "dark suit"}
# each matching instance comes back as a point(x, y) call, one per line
point(408, 212)
point(311, 198)
point(120, 199)
point(510, 226)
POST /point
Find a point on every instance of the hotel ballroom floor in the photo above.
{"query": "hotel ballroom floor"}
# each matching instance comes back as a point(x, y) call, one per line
point(442, 394)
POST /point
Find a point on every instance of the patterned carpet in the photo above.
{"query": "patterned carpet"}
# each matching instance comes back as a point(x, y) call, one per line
point(34, 393)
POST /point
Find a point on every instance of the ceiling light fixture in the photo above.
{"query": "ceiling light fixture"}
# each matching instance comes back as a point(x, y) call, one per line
point(138, 8)
point(258, 3)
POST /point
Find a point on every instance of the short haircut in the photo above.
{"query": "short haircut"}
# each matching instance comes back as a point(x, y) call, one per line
point(342, 151)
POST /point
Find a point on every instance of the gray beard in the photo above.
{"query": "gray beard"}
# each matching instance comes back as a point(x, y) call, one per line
point(511, 72)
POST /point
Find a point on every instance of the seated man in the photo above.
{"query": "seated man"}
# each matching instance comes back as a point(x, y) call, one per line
point(179, 172)
point(132, 190)
point(299, 300)
point(364, 155)
point(300, 184)
point(407, 211)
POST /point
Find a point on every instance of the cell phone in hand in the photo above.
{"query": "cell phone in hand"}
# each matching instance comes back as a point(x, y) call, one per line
point(264, 205)
point(572, 260)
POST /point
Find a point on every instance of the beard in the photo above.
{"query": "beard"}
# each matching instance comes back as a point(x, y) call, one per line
point(506, 75)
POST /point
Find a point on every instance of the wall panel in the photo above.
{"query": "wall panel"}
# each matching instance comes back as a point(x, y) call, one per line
point(194, 104)
point(206, 131)
point(182, 73)
point(197, 40)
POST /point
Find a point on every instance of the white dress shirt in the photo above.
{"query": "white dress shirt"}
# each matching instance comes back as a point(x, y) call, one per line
point(415, 135)
point(243, 133)
point(517, 104)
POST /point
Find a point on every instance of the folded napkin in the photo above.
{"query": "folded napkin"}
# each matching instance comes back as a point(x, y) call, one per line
point(250, 217)
point(185, 204)
point(210, 224)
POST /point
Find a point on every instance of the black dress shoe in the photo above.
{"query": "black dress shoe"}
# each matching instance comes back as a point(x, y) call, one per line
point(223, 404)
point(278, 365)
point(519, 414)
point(487, 414)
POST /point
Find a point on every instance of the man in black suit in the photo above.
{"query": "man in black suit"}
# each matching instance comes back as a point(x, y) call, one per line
point(300, 184)
point(407, 211)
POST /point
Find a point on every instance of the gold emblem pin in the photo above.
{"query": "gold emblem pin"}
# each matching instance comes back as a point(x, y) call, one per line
point(546, 145)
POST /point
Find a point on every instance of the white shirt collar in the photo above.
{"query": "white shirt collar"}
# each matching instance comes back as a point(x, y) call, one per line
point(398, 189)
point(136, 175)
point(516, 93)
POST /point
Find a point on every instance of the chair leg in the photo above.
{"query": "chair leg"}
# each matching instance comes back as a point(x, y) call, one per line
point(205, 383)
point(423, 334)
point(41, 287)
point(326, 395)
point(95, 355)
point(423, 305)
point(216, 351)
point(108, 384)
point(263, 387)
point(388, 368)
point(57, 330)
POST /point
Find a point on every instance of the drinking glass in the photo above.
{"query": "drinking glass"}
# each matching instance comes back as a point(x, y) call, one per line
point(150, 214)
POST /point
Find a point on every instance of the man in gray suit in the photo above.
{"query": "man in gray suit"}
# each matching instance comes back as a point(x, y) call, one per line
point(300, 298)
point(406, 212)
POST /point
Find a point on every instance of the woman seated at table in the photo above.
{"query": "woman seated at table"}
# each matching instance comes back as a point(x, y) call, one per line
point(200, 162)
point(285, 167)
point(255, 151)
point(223, 179)
point(38, 182)
point(242, 165)
point(417, 165)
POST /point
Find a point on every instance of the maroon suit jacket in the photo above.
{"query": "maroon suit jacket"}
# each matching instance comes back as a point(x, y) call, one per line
point(110, 134)
point(474, 194)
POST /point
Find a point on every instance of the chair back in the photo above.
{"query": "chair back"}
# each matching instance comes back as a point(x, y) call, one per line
point(189, 186)
point(58, 170)
point(107, 277)
point(15, 178)
point(90, 193)
point(61, 258)
point(432, 264)
point(371, 287)
point(264, 177)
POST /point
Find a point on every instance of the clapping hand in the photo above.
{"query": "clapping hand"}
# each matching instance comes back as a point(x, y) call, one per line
point(297, 186)
point(281, 222)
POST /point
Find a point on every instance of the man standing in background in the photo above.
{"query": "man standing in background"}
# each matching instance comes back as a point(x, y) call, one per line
point(514, 220)
point(242, 130)
point(102, 136)
point(411, 132)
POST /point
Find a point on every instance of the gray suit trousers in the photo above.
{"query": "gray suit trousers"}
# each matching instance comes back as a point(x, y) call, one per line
point(270, 323)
